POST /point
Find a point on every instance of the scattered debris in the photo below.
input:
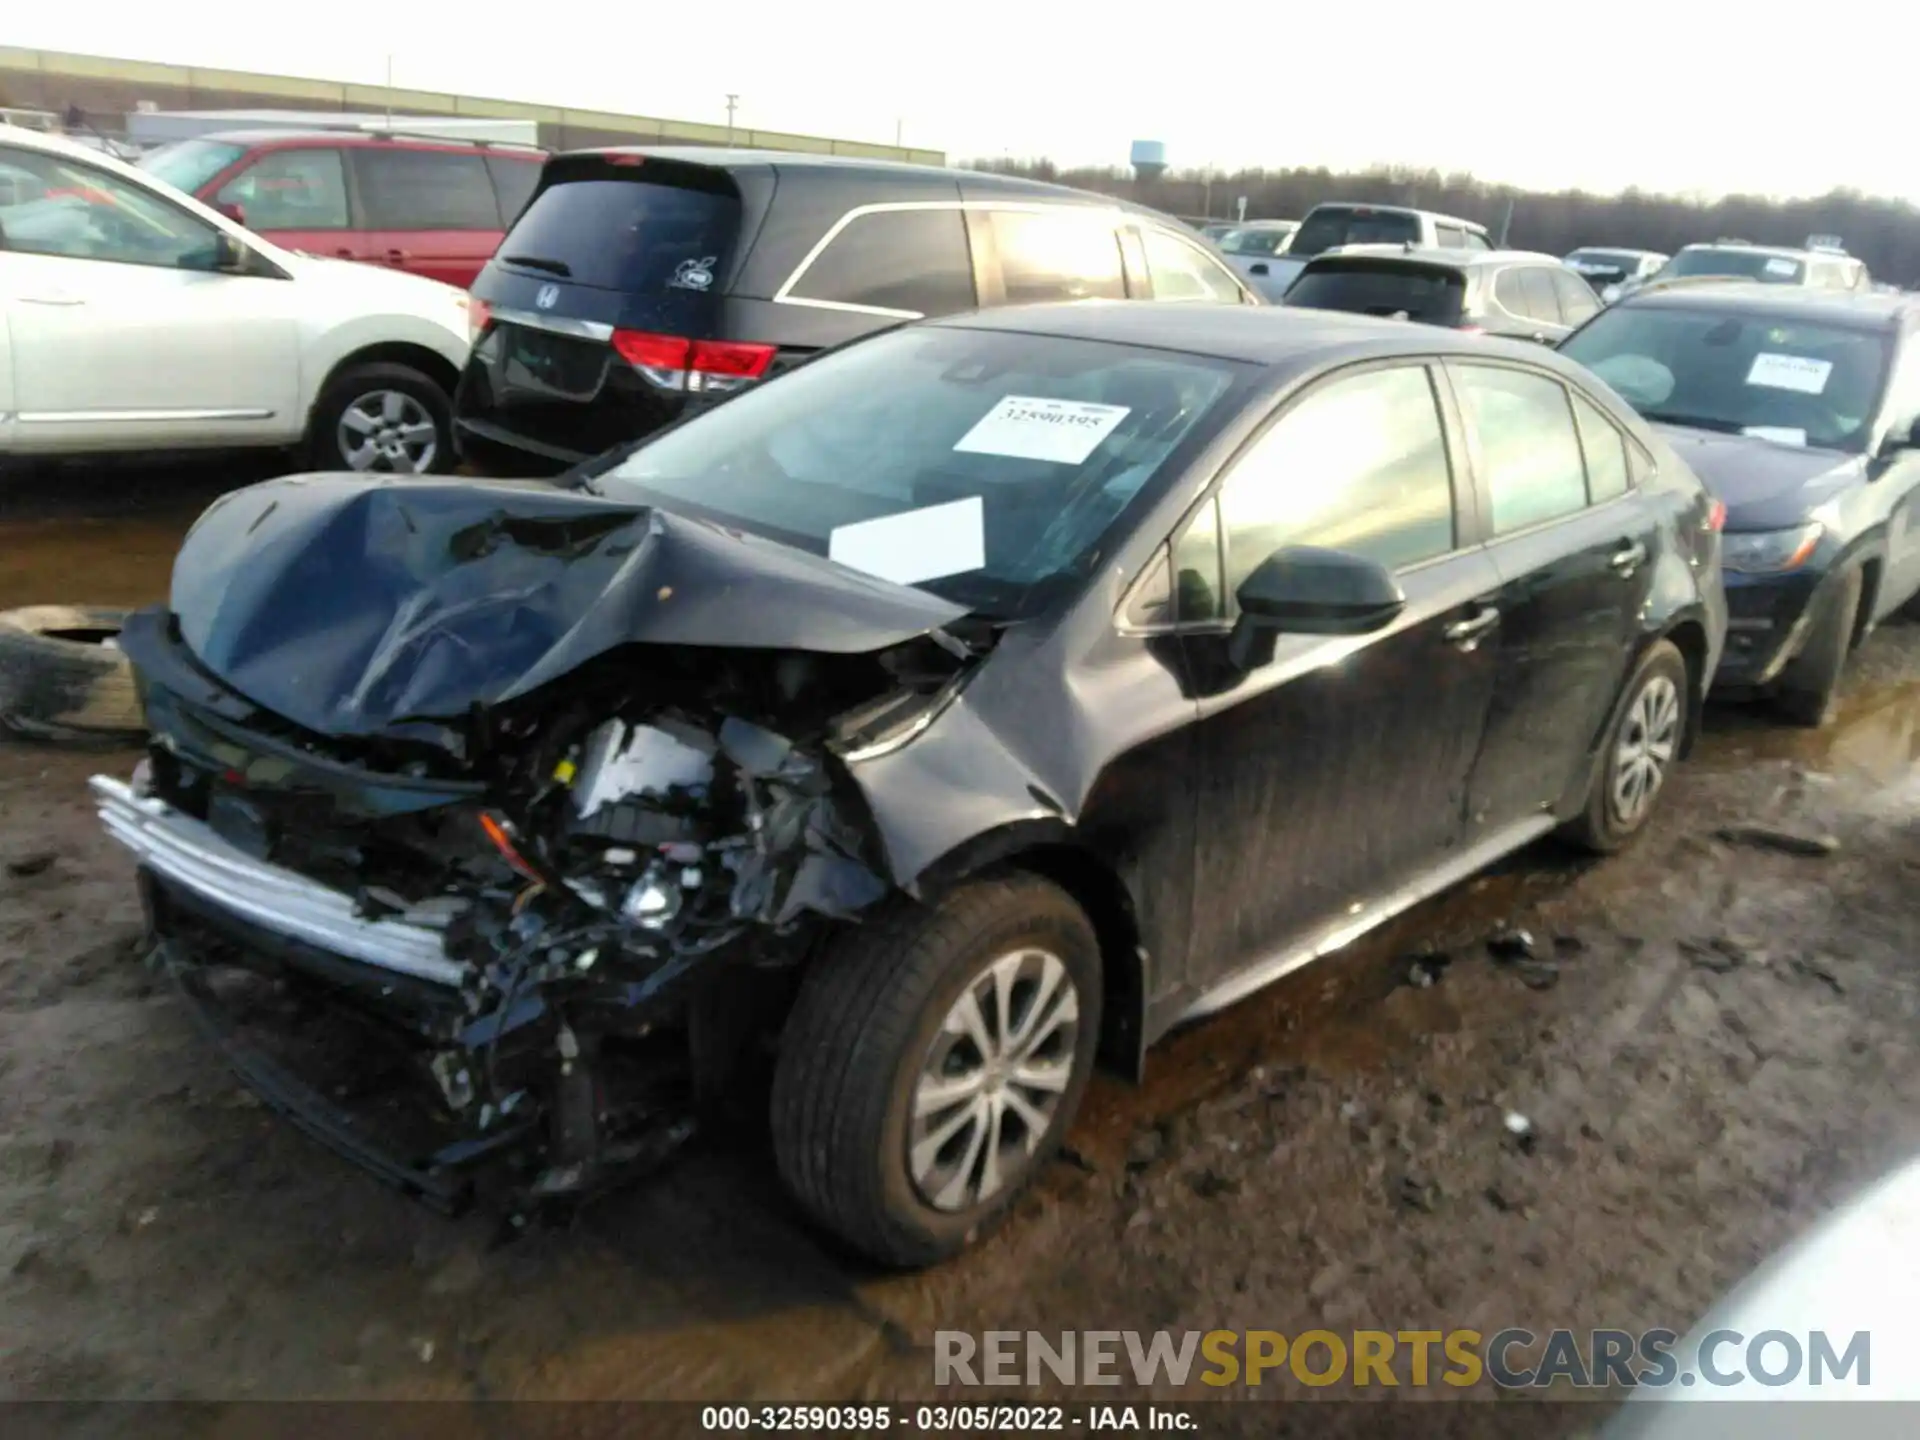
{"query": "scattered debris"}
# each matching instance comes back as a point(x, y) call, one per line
point(146, 1217)
point(1517, 1124)
point(1148, 1146)
point(29, 865)
point(424, 1349)
point(1787, 842)
point(1210, 1184)
point(1418, 1194)
point(1813, 969)
point(1140, 1218)
point(1425, 971)
point(1538, 974)
point(1510, 945)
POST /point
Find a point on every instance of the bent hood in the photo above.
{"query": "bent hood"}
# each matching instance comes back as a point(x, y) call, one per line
point(348, 604)
point(1766, 485)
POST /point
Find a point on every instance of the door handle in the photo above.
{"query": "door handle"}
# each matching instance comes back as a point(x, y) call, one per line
point(1466, 633)
point(53, 298)
point(396, 257)
point(1628, 558)
point(343, 253)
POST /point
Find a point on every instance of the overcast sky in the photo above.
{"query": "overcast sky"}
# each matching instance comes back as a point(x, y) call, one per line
point(1688, 96)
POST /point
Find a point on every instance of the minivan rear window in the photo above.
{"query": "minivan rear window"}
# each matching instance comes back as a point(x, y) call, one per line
point(637, 236)
point(1427, 293)
point(1329, 226)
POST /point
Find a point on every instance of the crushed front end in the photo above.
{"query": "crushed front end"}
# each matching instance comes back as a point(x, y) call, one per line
point(511, 957)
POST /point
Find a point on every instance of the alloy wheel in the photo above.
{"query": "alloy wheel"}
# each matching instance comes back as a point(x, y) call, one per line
point(992, 1080)
point(388, 430)
point(1649, 737)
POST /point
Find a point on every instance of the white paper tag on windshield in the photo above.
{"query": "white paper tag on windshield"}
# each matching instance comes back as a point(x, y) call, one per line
point(1790, 372)
point(915, 545)
point(1023, 427)
point(1779, 266)
point(1778, 434)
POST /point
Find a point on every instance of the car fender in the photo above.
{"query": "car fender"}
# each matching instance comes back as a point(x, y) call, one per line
point(327, 343)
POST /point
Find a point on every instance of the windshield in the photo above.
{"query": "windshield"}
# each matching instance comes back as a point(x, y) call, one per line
point(1796, 383)
point(189, 164)
point(1254, 242)
point(1604, 262)
point(1425, 293)
point(1749, 264)
point(1333, 225)
point(984, 466)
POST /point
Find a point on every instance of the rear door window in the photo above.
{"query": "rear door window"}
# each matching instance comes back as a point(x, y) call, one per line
point(1477, 241)
point(403, 189)
point(1060, 254)
point(291, 190)
point(636, 236)
point(1451, 237)
point(1427, 293)
point(1328, 226)
point(903, 262)
point(1605, 449)
point(1577, 300)
point(1536, 290)
point(1520, 430)
point(1180, 271)
point(513, 182)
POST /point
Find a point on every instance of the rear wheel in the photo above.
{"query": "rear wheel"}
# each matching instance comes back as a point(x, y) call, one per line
point(931, 1063)
point(1810, 685)
point(382, 419)
point(1648, 732)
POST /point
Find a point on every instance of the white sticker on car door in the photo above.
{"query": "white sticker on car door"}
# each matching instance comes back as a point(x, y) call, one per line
point(915, 545)
point(1025, 427)
point(1790, 372)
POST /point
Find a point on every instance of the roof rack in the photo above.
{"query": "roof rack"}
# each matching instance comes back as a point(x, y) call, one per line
point(381, 132)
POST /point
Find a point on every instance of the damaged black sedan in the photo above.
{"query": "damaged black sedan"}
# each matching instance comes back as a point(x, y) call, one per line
point(896, 741)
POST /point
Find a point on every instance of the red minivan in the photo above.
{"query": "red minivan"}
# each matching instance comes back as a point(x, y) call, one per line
point(433, 207)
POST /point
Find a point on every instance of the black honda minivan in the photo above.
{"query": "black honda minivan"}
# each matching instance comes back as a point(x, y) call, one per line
point(640, 281)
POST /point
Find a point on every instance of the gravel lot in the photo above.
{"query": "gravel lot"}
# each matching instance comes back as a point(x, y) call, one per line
point(1714, 1044)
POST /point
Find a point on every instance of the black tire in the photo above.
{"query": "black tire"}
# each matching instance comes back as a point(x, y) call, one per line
point(61, 680)
point(353, 386)
point(1808, 688)
point(1604, 826)
point(861, 1031)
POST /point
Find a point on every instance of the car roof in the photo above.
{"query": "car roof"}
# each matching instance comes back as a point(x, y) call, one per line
point(721, 157)
point(1864, 308)
point(255, 138)
point(1786, 251)
point(1614, 250)
point(1435, 255)
point(1399, 210)
point(1269, 335)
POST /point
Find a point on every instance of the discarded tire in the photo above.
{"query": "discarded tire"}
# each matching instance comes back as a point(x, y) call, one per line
point(63, 678)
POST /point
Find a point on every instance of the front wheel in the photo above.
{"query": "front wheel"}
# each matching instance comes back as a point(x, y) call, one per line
point(382, 419)
point(931, 1063)
point(1641, 746)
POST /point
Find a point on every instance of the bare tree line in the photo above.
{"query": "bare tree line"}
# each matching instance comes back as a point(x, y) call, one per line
point(1885, 233)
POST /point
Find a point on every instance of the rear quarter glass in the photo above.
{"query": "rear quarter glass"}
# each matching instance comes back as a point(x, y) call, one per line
point(633, 253)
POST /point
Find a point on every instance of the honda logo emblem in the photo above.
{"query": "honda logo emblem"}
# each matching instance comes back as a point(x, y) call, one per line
point(549, 296)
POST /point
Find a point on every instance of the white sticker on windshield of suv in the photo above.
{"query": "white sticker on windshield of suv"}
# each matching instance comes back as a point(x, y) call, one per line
point(915, 545)
point(1025, 427)
point(1778, 266)
point(1778, 434)
point(1790, 372)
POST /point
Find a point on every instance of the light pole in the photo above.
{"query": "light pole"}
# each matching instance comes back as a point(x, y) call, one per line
point(732, 101)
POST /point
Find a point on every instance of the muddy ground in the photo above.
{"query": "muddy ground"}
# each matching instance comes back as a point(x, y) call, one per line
point(1714, 1046)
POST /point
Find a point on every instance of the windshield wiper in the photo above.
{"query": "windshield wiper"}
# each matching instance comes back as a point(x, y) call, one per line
point(540, 262)
point(1692, 422)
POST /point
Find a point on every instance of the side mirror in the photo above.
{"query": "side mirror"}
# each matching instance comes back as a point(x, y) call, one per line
point(1259, 267)
point(230, 257)
point(233, 210)
point(1901, 438)
point(1303, 590)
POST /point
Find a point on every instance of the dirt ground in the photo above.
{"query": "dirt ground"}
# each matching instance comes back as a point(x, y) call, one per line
point(1713, 1047)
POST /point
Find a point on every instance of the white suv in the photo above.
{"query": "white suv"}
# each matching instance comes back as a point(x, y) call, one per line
point(137, 319)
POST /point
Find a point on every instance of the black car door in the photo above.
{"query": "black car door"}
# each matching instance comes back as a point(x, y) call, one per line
point(1574, 543)
point(1336, 772)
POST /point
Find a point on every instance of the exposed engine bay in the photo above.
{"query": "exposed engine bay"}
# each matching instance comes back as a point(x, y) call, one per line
point(621, 872)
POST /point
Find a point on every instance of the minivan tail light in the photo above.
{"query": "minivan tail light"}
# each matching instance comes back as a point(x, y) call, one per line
point(675, 362)
point(479, 312)
point(1717, 515)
